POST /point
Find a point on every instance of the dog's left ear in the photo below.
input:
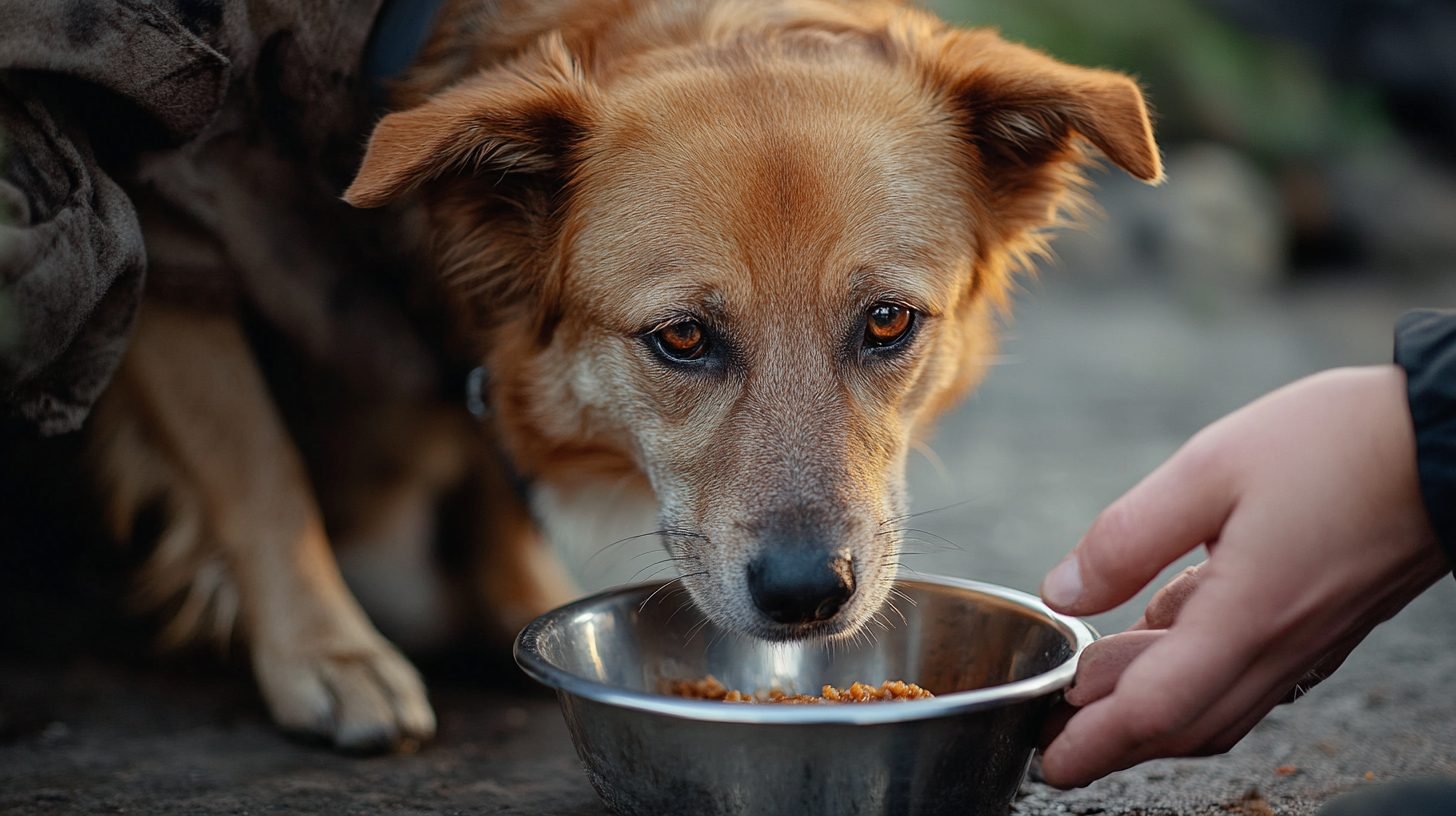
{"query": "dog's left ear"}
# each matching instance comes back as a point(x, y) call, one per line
point(1024, 107)
point(1029, 118)
point(520, 119)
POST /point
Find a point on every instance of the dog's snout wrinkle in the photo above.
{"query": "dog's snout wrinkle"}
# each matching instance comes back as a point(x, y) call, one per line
point(800, 586)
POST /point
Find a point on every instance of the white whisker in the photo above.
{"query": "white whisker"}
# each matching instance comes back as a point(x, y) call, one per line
point(900, 593)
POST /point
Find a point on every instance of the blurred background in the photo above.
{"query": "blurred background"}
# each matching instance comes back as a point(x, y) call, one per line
point(1304, 138)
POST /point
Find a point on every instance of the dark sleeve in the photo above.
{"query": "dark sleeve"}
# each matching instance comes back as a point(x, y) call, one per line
point(1425, 346)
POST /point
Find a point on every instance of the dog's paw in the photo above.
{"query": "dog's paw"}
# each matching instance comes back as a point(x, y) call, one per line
point(365, 698)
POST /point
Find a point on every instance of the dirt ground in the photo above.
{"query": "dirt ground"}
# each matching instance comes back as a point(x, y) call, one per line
point(1096, 387)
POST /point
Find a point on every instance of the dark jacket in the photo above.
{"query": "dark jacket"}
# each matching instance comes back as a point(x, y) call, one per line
point(197, 147)
point(1425, 346)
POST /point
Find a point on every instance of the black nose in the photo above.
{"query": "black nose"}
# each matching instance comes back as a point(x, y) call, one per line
point(800, 587)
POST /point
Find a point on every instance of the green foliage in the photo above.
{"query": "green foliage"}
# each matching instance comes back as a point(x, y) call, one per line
point(1205, 78)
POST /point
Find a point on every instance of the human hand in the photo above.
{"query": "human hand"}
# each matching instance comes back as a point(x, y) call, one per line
point(1308, 503)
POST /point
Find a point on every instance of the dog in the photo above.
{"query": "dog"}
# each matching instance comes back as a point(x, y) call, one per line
point(724, 260)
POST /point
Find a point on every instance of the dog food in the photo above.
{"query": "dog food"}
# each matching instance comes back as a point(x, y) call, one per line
point(709, 688)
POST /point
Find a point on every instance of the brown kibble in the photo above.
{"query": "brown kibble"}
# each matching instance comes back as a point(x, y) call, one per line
point(1287, 770)
point(710, 688)
point(707, 688)
point(1369, 776)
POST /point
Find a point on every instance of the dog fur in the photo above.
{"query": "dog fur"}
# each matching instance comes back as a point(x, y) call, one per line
point(592, 172)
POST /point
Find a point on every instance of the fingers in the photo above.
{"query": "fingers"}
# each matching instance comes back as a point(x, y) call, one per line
point(1056, 720)
point(1196, 689)
point(1159, 701)
point(1155, 705)
point(1163, 609)
point(1175, 509)
point(1123, 729)
point(1103, 663)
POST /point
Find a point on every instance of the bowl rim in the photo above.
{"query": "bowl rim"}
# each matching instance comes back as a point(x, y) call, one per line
point(528, 656)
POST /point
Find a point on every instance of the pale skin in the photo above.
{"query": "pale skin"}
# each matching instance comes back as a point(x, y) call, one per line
point(1308, 503)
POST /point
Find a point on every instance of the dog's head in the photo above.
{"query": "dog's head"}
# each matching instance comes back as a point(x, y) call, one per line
point(750, 258)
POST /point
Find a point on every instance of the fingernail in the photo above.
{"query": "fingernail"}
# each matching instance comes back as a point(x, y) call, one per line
point(1063, 585)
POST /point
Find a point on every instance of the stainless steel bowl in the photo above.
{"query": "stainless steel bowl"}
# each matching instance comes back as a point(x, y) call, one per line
point(996, 658)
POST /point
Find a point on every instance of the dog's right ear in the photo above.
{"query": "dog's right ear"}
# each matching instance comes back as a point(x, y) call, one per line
point(521, 118)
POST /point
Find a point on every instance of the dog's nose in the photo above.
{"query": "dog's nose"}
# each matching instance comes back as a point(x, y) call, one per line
point(800, 587)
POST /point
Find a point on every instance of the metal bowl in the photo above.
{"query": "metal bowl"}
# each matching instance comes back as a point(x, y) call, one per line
point(997, 660)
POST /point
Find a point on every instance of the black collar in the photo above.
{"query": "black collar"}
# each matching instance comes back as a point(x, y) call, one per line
point(399, 33)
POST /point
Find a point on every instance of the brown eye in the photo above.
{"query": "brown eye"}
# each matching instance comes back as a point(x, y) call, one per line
point(684, 342)
point(887, 324)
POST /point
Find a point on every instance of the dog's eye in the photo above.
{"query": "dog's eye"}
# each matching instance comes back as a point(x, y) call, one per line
point(887, 324)
point(685, 341)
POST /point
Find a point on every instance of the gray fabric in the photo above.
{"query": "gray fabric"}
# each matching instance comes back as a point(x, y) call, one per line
point(71, 258)
point(133, 48)
point(71, 268)
point(217, 134)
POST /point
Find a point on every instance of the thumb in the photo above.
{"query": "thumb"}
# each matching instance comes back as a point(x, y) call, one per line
point(1177, 507)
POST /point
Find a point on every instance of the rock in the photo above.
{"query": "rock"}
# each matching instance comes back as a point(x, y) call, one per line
point(1215, 228)
point(1400, 207)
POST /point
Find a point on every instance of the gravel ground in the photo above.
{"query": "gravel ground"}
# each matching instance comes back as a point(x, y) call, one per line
point(1094, 387)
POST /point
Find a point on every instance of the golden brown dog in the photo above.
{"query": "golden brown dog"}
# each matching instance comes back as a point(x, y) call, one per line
point(734, 254)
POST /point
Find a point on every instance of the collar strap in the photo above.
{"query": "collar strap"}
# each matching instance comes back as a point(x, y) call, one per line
point(477, 393)
point(399, 34)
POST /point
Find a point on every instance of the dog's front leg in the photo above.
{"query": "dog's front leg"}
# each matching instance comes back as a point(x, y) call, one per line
point(192, 384)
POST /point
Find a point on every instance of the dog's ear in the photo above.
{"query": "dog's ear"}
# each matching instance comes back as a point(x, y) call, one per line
point(1024, 108)
point(520, 119)
point(492, 157)
point(1029, 119)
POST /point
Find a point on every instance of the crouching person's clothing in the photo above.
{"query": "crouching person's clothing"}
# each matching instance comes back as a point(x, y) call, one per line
point(194, 148)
